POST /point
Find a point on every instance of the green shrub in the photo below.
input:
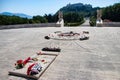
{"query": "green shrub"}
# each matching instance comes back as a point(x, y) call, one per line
point(92, 21)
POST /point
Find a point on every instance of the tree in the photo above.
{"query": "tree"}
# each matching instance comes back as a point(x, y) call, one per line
point(39, 19)
point(112, 13)
point(50, 18)
point(92, 21)
point(11, 20)
point(73, 17)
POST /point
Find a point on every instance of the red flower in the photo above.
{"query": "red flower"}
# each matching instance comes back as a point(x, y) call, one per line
point(43, 60)
point(19, 61)
point(26, 61)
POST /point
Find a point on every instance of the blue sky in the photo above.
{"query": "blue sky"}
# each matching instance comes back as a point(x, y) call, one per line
point(40, 7)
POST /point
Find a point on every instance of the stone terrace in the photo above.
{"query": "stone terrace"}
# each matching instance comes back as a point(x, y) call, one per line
point(95, 59)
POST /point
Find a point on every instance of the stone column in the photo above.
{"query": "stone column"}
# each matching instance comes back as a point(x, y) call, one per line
point(99, 21)
point(60, 17)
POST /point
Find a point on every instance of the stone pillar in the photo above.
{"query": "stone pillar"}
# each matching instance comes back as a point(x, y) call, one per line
point(60, 21)
point(99, 21)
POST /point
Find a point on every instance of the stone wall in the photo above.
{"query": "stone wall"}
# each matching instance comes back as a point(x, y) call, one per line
point(111, 24)
point(29, 25)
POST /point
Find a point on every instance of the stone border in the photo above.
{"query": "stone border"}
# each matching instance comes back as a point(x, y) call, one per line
point(111, 24)
point(21, 72)
point(29, 25)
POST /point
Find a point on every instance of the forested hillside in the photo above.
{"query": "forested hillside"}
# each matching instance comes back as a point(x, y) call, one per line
point(83, 9)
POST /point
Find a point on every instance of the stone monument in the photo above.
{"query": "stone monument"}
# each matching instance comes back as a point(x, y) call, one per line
point(99, 21)
point(60, 17)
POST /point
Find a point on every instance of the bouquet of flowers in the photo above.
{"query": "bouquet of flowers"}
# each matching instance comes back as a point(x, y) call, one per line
point(33, 69)
point(20, 63)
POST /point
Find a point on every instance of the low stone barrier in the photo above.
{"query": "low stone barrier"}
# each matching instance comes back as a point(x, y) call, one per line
point(29, 25)
point(111, 24)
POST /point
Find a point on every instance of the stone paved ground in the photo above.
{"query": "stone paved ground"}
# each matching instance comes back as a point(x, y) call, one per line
point(95, 59)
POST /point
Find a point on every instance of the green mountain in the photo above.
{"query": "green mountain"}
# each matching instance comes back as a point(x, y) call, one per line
point(84, 9)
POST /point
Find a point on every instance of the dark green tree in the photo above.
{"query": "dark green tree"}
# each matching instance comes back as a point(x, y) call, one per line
point(73, 17)
point(39, 19)
point(112, 13)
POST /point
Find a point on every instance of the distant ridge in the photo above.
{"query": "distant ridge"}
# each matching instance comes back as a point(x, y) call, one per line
point(16, 14)
point(85, 9)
